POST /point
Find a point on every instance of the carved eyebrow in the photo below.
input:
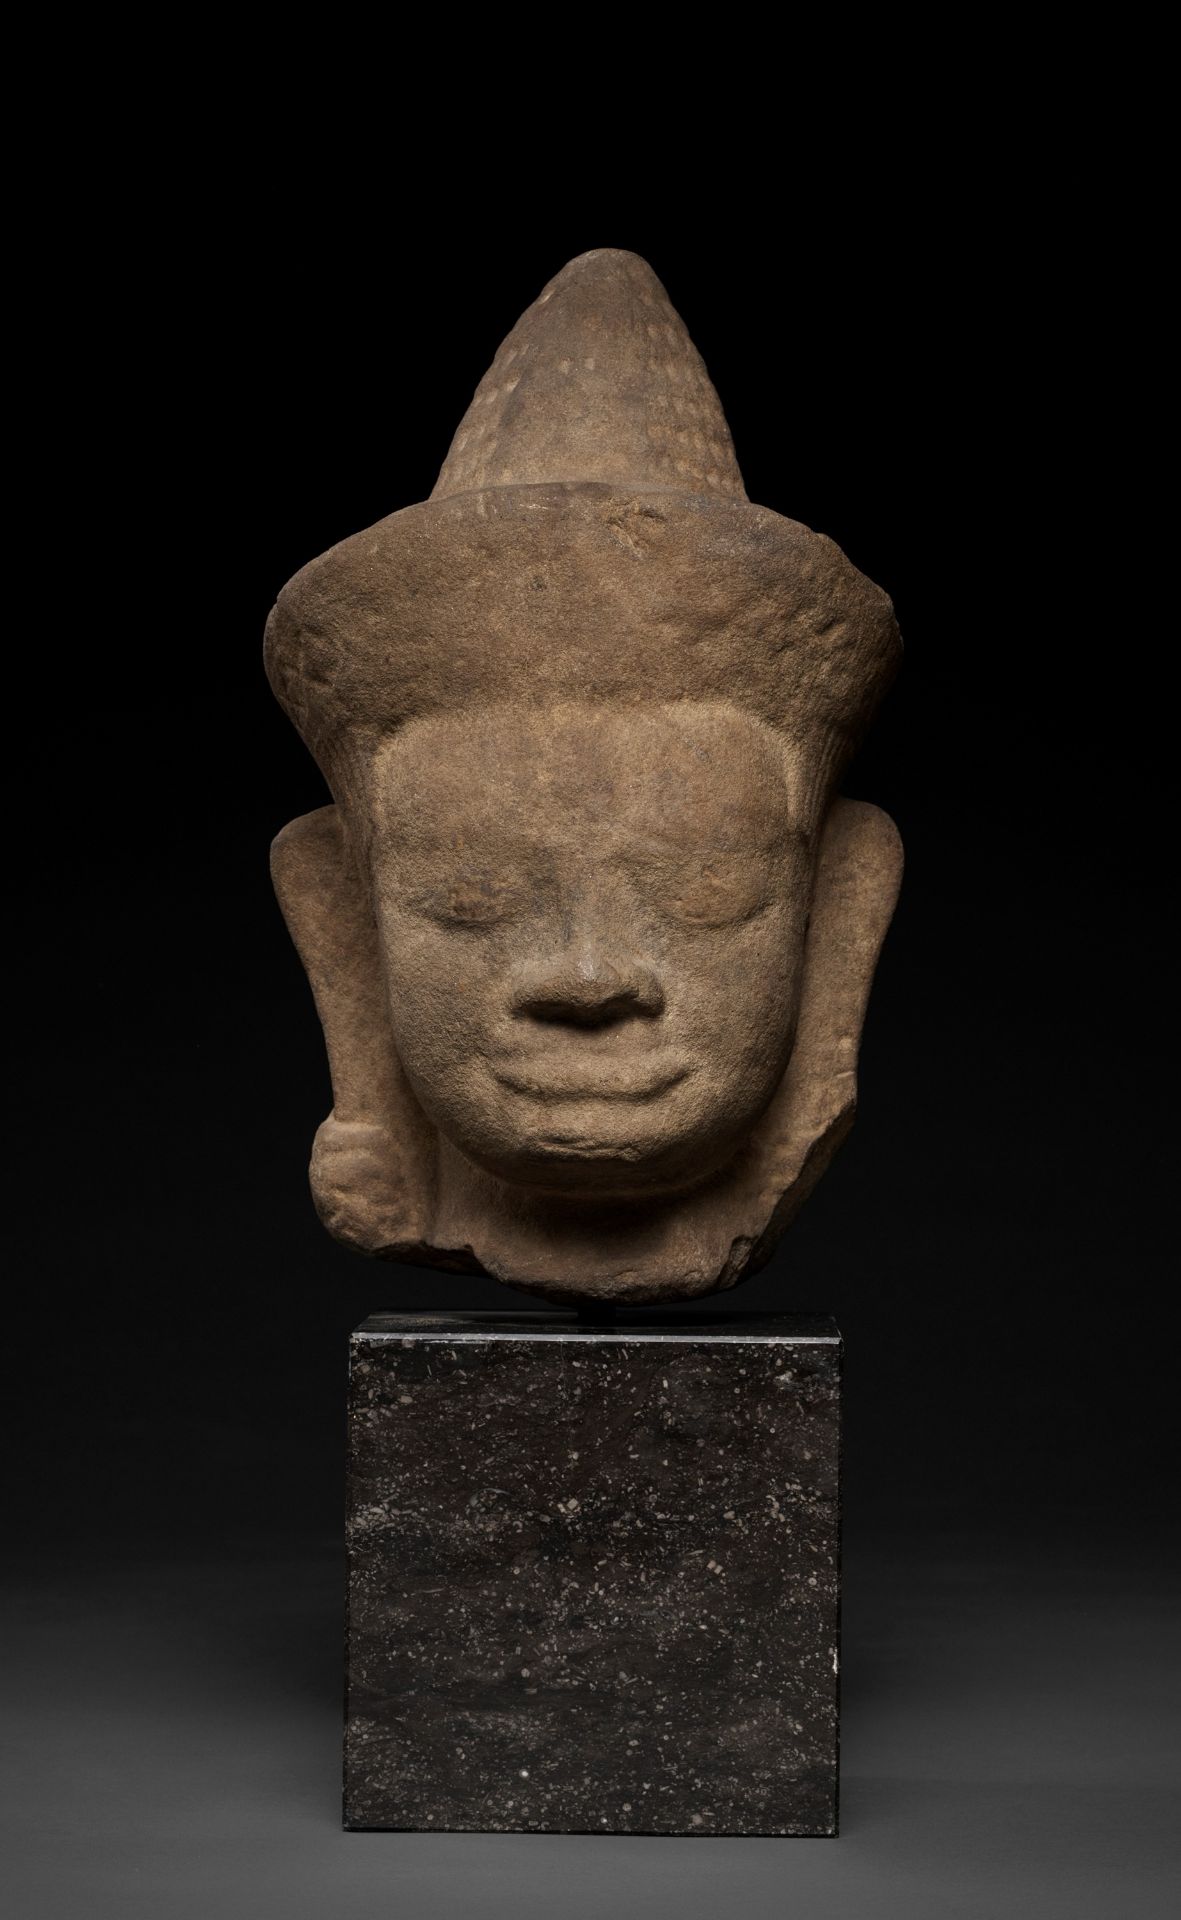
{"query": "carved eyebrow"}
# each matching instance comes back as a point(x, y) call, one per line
point(767, 845)
point(497, 857)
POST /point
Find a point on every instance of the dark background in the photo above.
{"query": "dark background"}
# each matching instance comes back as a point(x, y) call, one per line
point(254, 384)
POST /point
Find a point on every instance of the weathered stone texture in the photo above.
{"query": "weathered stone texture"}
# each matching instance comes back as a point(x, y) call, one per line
point(590, 929)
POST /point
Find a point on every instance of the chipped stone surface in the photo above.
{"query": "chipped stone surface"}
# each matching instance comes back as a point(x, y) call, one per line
point(590, 928)
point(593, 1575)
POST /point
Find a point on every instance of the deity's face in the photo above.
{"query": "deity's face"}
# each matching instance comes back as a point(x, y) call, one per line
point(592, 926)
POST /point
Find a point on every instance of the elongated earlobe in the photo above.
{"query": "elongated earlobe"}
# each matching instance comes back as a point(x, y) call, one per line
point(859, 872)
point(372, 1168)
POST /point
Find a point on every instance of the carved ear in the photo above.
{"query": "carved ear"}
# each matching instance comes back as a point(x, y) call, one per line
point(857, 880)
point(372, 1168)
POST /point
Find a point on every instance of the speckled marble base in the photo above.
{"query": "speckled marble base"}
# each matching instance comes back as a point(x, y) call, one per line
point(593, 1574)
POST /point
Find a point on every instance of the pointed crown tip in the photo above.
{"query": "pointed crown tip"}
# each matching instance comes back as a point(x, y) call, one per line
point(598, 381)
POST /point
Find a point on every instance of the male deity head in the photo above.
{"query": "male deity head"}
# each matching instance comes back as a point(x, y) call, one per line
point(590, 937)
point(592, 922)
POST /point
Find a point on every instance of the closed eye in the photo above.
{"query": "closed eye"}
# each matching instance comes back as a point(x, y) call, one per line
point(715, 892)
point(468, 900)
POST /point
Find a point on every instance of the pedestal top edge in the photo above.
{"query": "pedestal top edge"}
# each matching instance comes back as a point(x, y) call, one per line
point(810, 1329)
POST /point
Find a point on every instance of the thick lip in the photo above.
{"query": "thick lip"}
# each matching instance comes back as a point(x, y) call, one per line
point(547, 1079)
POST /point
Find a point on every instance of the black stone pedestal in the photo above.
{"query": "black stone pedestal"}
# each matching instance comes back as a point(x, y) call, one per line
point(593, 1574)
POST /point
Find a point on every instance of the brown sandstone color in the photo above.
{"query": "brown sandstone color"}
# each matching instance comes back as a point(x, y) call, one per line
point(589, 934)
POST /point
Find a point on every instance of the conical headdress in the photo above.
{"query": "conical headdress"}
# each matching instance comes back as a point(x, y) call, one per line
point(589, 537)
point(600, 381)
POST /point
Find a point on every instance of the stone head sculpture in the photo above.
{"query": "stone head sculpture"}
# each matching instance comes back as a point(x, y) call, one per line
point(590, 933)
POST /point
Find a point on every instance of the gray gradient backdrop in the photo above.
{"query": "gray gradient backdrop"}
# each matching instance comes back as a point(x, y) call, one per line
point(996, 1240)
point(1010, 1747)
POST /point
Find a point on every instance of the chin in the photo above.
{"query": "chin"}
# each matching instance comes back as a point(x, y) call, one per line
point(603, 1150)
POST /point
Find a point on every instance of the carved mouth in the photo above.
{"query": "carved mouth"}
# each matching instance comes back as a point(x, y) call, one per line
point(554, 1082)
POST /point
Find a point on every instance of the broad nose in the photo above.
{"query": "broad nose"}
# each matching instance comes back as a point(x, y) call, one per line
point(586, 987)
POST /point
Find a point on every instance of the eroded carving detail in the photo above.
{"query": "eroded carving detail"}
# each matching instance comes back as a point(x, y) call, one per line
point(590, 936)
